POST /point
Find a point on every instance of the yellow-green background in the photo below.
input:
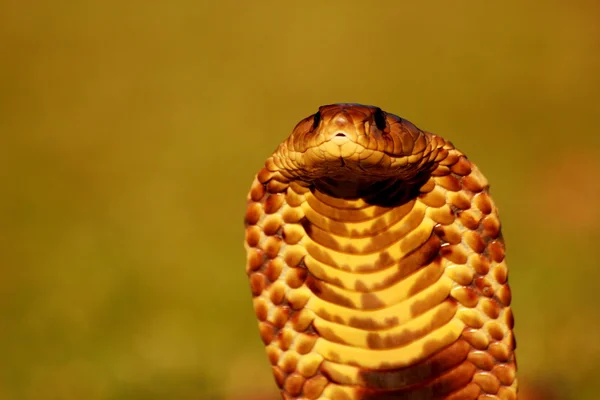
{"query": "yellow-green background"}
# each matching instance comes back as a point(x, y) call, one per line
point(130, 132)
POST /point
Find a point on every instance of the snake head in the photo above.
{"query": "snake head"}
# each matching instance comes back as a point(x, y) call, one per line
point(355, 140)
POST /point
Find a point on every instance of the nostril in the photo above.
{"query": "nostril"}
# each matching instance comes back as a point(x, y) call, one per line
point(340, 134)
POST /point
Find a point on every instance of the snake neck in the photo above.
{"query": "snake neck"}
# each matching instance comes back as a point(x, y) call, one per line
point(389, 192)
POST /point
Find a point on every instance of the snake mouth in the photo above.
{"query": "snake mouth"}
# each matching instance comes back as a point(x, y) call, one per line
point(342, 156)
point(343, 168)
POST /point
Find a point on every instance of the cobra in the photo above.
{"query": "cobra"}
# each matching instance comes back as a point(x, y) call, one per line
point(377, 264)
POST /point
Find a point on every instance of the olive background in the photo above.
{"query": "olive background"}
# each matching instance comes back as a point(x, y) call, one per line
point(130, 133)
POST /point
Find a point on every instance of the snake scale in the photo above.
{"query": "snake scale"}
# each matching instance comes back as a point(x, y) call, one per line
point(377, 264)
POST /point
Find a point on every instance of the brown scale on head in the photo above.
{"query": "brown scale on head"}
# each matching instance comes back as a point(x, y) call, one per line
point(376, 264)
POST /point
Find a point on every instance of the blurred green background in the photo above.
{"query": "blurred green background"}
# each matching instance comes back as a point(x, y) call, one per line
point(130, 133)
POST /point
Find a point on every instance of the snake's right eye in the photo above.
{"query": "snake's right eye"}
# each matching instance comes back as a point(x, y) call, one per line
point(380, 121)
point(316, 120)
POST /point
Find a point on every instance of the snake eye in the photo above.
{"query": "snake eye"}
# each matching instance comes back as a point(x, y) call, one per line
point(316, 120)
point(380, 121)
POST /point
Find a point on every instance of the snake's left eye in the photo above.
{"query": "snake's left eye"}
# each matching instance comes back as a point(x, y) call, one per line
point(379, 118)
point(316, 120)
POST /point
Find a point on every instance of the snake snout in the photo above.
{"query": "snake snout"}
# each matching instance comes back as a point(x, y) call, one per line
point(342, 119)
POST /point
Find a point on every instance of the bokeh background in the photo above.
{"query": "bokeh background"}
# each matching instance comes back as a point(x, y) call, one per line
point(130, 133)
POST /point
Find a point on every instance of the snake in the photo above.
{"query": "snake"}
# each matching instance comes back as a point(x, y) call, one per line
point(376, 264)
